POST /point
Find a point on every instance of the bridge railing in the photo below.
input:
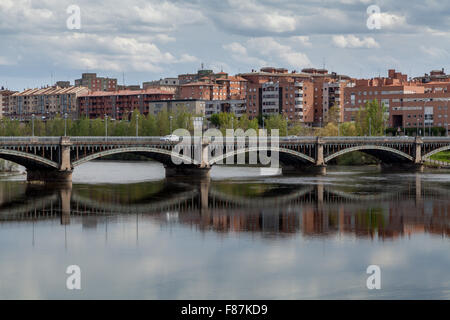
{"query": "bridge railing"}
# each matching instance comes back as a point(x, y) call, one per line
point(369, 139)
point(432, 139)
point(112, 139)
point(30, 139)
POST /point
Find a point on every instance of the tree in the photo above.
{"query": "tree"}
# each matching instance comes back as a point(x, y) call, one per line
point(276, 122)
point(334, 114)
point(149, 125)
point(371, 119)
point(331, 129)
point(215, 119)
point(348, 129)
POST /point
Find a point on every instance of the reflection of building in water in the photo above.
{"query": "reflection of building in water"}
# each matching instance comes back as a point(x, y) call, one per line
point(317, 211)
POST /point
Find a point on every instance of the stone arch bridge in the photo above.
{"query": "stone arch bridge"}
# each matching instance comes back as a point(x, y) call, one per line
point(55, 158)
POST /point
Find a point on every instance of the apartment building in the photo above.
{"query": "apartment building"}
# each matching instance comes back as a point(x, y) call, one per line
point(196, 107)
point(434, 76)
point(94, 83)
point(238, 107)
point(4, 101)
point(119, 104)
point(276, 91)
point(45, 103)
point(410, 104)
point(166, 84)
point(219, 87)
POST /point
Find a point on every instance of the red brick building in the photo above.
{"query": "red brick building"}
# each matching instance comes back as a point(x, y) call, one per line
point(297, 96)
point(216, 87)
point(119, 104)
point(410, 104)
point(94, 83)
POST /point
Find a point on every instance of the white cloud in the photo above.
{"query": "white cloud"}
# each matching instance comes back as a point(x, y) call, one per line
point(239, 53)
point(435, 52)
point(390, 20)
point(4, 61)
point(166, 13)
point(236, 48)
point(303, 40)
point(351, 41)
point(114, 53)
point(251, 15)
point(269, 47)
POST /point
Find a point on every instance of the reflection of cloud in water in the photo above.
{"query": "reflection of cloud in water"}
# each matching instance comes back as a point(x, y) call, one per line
point(118, 172)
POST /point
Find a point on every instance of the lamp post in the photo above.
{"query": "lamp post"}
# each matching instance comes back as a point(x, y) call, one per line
point(32, 123)
point(424, 102)
point(370, 127)
point(263, 122)
point(65, 124)
point(137, 125)
point(106, 126)
point(287, 125)
point(446, 121)
point(417, 125)
point(170, 118)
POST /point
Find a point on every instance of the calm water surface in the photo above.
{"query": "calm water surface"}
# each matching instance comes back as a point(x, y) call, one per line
point(240, 235)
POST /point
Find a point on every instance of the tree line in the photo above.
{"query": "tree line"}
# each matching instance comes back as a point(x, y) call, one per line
point(370, 120)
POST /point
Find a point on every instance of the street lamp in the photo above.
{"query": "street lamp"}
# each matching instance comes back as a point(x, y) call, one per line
point(32, 124)
point(424, 103)
point(263, 122)
point(65, 124)
point(446, 121)
point(370, 127)
point(417, 125)
point(137, 124)
point(106, 126)
point(287, 124)
point(170, 118)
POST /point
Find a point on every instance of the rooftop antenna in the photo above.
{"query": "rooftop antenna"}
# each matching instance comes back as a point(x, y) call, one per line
point(202, 66)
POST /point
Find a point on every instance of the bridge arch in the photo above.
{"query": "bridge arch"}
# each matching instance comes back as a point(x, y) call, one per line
point(281, 151)
point(429, 154)
point(28, 160)
point(161, 155)
point(368, 148)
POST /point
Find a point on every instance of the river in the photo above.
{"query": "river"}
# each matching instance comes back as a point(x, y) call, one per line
point(244, 234)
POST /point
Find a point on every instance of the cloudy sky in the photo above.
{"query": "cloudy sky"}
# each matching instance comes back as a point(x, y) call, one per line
point(150, 39)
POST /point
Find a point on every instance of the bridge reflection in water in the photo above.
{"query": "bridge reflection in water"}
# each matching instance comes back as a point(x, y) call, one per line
point(273, 211)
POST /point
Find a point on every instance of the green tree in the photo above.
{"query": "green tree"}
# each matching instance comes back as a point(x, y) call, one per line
point(371, 119)
point(334, 114)
point(276, 122)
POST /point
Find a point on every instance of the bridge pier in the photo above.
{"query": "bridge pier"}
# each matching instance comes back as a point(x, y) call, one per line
point(402, 167)
point(50, 176)
point(307, 169)
point(187, 171)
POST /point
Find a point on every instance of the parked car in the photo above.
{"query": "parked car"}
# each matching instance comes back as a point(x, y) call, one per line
point(170, 138)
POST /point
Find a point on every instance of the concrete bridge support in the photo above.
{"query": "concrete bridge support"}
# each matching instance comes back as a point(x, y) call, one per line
point(61, 175)
point(187, 170)
point(197, 171)
point(320, 167)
